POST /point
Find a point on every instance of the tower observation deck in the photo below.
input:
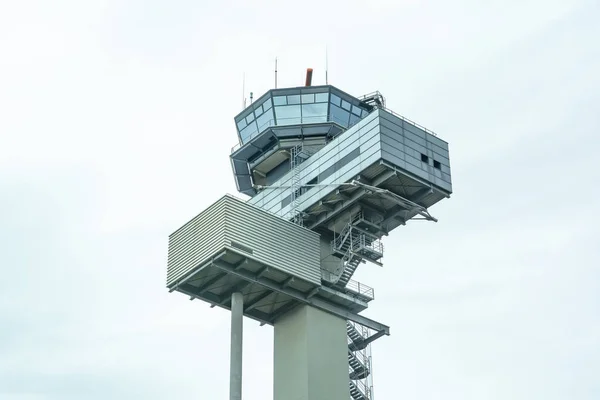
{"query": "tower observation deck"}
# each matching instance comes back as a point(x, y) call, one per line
point(328, 176)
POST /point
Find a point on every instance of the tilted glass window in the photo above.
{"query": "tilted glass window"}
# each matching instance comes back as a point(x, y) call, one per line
point(287, 115)
point(321, 97)
point(308, 98)
point(241, 124)
point(293, 99)
point(279, 100)
point(345, 105)
point(339, 116)
point(353, 119)
point(356, 110)
point(335, 100)
point(312, 113)
point(265, 120)
point(267, 104)
point(248, 132)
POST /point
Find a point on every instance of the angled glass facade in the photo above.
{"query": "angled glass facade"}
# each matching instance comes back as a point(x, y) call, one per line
point(302, 105)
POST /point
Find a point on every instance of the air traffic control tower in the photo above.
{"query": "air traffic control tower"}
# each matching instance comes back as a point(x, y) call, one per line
point(327, 175)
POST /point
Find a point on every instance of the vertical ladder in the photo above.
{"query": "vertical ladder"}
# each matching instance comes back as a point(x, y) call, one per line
point(295, 160)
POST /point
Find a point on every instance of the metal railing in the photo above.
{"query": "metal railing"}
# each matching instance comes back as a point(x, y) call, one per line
point(361, 289)
point(409, 121)
point(353, 286)
point(374, 245)
point(357, 241)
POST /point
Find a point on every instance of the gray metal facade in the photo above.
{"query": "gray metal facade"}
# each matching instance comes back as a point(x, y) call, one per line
point(232, 224)
point(379, 137)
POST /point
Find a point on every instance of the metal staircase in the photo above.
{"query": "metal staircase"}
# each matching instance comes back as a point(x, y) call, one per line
point(359, 369)
point(356, 393)
point(359, 363)
point(351, 261)
point(355, 246)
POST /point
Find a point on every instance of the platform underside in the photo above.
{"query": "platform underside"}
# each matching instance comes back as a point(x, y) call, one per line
point(268, 293)
point(389, 212)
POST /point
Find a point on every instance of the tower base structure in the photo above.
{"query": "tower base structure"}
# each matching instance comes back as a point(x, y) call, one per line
point(310, 356)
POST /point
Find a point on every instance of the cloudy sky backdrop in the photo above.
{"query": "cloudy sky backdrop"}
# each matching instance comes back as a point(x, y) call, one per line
point(116, 122)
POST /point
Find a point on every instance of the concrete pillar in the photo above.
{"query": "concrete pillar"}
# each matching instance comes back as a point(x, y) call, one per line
point(310, 356)
point(235, 373)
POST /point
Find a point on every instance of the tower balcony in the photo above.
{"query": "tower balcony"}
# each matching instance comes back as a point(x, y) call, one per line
point(234, 247)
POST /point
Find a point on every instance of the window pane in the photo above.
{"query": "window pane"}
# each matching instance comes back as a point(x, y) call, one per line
point(267, 105)
point(250, 118)
point(345, 105)
point(266, 120)
point(241, 124)
point(248, 132)
point(308, 98)
point(258, 110)
point(364, 113)
point(356, 110)
point(287, 115)
point(293, 99)
point(335, 100)
point(321, 97)
point(312, 113)
point(279, 100)
point(353, 119)
point(339, 116)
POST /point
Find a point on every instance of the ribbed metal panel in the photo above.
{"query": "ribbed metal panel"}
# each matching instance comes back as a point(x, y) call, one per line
point(194, 242)
point(364, 136)
point(233, 224)
point(273, 240)
point(403, 144)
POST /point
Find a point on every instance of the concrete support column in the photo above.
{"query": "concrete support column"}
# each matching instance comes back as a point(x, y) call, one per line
point(235, 373)
point(310, 356)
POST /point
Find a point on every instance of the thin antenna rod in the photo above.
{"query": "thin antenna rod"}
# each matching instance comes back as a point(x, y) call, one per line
point(275, 72)
point(326, 67)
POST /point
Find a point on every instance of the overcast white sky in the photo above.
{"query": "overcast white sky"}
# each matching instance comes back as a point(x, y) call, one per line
point(116, 122)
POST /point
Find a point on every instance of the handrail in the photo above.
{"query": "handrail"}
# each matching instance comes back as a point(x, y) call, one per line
point(352, 285)
point(409, 121)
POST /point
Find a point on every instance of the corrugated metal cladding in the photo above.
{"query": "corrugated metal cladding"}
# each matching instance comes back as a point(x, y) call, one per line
point(273, 240)
point(196, 241)
point(418, 152)
point(232, 223)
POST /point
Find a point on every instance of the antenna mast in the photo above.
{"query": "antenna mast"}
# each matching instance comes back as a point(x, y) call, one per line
point(326, 67)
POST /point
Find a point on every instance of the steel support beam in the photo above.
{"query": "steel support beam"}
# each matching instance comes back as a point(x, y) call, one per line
point(254, 302)
point(374, 337)
point(343, 205)
point(297, 295)
point(211, 282)
point(381, 178)
point(237, 288)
